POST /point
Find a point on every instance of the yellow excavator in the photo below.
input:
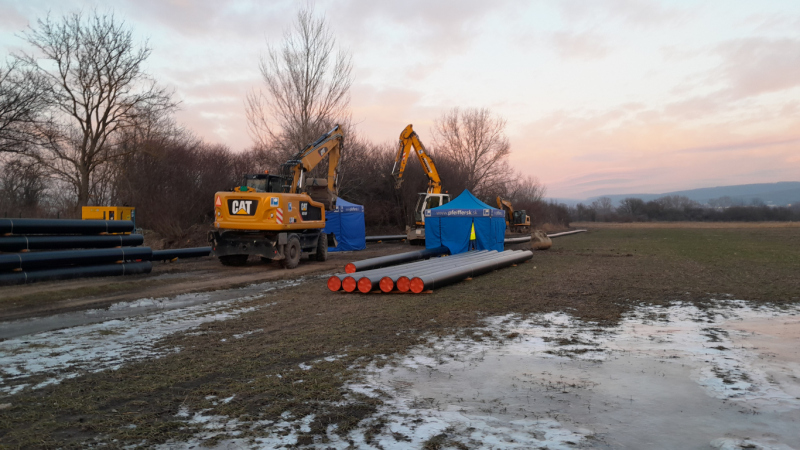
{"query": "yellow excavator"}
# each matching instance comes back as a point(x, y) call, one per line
point(280, 217)
point(516, 221)
point(426, 200)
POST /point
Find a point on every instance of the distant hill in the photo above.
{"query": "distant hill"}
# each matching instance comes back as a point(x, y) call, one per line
point(776, 194)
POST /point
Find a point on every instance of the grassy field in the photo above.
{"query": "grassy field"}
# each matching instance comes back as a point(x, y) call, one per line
point(594, 276)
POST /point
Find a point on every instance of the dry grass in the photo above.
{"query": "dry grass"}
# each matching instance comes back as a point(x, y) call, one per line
point(594, 276)
point(684, 225)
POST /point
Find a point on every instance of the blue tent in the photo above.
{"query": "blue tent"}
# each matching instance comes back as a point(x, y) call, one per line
point(347, 224)
point(450, 225)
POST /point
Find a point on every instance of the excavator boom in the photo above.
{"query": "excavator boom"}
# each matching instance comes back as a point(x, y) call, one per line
point(409, 139)
point(328, 145)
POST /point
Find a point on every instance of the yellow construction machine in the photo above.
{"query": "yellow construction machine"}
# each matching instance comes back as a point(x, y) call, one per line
point(280, 217)
point(516, 221)
point(426, 200)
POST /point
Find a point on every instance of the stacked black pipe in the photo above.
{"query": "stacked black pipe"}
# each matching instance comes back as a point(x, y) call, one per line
point(52, 249)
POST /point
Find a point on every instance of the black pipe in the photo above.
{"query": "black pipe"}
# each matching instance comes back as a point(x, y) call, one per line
point(391, 260)
point(35, 260)
point(439, 279)
point(17, 243)
point(65, 226)
point(65, 273)
point(168, 255)
point(390, 237)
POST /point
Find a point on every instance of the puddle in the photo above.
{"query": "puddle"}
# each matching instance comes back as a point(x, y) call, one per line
point(674, 377)
point(666, 377)
point(124, 333)
point(139, 307)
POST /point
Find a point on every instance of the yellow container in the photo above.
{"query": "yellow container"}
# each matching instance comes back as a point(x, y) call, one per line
point(109, 213)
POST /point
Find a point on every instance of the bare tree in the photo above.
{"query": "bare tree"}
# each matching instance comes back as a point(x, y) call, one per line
point(307, 83)
point(475, 140)
point(22, 103)
point(22, 186)
point(97, 88)
point(526, 189)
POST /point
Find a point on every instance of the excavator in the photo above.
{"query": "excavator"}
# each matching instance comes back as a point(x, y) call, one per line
point(280, 217)
point(516, 221)
point(426, 200)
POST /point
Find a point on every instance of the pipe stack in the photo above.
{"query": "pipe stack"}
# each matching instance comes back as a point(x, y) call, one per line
point(83, 248)
point(426, 275)
point(389, 237)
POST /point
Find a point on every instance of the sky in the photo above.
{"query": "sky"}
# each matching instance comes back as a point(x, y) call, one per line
point(600, 96)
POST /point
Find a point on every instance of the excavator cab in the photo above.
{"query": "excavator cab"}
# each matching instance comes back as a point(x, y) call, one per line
point(263, 182)
point(428, 201)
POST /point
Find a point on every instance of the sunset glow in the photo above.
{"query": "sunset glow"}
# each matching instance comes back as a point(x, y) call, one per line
point(601, 97)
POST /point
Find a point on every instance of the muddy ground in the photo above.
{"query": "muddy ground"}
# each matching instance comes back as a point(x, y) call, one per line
point(272, 361)
point(167, 279)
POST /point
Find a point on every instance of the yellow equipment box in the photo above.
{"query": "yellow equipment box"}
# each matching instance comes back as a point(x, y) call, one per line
point(109, 213)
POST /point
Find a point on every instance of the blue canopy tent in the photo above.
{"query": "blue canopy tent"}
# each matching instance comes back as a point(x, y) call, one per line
point(451, 224)
point(347, 224)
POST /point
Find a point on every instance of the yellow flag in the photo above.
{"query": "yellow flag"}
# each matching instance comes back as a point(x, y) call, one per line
point(472, 233)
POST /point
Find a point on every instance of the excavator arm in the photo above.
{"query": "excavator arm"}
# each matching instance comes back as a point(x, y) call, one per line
point(328, 146)
point(505, 205)
point(409, 139)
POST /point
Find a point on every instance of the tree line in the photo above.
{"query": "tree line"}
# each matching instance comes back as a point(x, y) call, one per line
point(680, 208)
point(82, 123)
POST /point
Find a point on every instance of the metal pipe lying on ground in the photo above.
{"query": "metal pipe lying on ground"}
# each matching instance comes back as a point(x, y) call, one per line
point(517, 240)
point(565, 233)
point(391, 237)
point(335, 281)
point(439, 279)
point(372, 282)
point(391, 260)
point(168, 255)
point(349, 281)
point(404, 282)
point(35, 260)
point(17, 243)
point(64, 226)
point(400, 281)
point(65, 273)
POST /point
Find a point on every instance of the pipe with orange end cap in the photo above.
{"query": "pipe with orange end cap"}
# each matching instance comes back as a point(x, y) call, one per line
point(335, 281)
point(392, 260)
point(371, 282)
point(436, 280)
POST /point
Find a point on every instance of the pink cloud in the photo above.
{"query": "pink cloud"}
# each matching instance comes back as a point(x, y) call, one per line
point(580, 45)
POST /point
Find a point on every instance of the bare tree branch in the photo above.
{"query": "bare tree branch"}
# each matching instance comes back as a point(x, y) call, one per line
point(476, 142)
point(95, 87)
point(307, 89)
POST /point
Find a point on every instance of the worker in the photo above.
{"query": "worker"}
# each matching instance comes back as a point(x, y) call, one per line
point(472, 238)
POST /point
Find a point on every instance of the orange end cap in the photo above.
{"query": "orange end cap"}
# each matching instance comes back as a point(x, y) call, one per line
point(350, 268)
point(403, 284)
point(417, 285)
point(365, 285)
point(386, 284)
point(334, 283)
point(349, 284)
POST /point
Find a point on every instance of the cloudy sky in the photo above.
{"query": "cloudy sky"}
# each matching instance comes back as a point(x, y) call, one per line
point(601, 96)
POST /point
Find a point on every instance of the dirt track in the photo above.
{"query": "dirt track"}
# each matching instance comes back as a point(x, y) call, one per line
point(166, 279)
